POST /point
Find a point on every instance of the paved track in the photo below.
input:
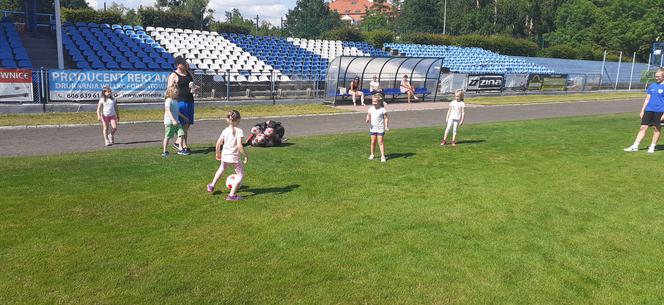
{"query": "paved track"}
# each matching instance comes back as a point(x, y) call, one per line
point(44, 141)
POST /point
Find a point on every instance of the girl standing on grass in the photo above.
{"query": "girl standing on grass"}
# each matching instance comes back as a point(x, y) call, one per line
point(455, 116)
point(377, 117)
point(107, 114)
point(228, 150)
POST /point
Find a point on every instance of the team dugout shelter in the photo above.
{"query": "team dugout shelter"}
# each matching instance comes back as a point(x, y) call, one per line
point(423, 73)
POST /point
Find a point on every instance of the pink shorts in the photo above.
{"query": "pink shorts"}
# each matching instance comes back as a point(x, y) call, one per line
point(108, 119)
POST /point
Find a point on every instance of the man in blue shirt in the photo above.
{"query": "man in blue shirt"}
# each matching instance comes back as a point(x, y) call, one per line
point(651, 113)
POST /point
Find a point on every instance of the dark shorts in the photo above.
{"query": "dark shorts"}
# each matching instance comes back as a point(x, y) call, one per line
point(187, 109)
point(651, 118)
point(380, 134)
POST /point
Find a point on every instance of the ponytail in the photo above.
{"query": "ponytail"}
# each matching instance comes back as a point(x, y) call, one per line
point(233, 116)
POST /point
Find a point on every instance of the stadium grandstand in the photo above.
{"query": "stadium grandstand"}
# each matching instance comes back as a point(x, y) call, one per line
point(470, 60)
point(236, 57)
point(12, 53)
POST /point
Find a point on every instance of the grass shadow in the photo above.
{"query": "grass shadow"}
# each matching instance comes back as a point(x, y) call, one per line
point(470, 141)
point(205, 150)
point(269, 190)
point(260, 191)
point(399, 155)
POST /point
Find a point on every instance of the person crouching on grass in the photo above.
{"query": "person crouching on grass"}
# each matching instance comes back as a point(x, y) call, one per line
point(108, 114)
point(377, 117)
point(171, 115)
point(651, 113)
point(228, 150)
point(455, 116)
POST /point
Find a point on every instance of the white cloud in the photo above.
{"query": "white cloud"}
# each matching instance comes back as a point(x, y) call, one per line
point(270, 10)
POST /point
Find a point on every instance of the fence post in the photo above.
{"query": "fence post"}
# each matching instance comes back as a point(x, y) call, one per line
point(228, 84)
point(601, 72)
point(618, 73)
point(272, 86)
point(631, 74)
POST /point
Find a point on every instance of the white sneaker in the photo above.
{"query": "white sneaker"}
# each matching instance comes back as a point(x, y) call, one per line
point(107, 142)
point(371, 157)
point(382, 159)
point(631, 148)
point(651, 150)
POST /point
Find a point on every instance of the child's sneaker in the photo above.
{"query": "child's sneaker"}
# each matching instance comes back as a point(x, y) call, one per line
point(234, 198)
point(631, 148)
point(453, 143)
point(383, 159)
point(164, 154)
point(176, 146)
point(371, 157)
point(183, 152)
point(651, 149)
point(443, 143)
point(210, 188)
point(107, 142)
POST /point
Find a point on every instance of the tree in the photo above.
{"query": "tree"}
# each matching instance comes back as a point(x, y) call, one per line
point(74, 4)
point(198, 9)
point(311, 18)
point(420, 16)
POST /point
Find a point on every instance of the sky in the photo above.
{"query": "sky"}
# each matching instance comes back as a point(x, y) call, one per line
point(269, 10)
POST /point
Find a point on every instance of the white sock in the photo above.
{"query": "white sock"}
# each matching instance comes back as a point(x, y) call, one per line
point(636, 144)
point(653, 146)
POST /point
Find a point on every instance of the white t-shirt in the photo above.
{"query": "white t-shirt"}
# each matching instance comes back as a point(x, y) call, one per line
point(173, 108)
point(377, 119)
point(455, 109)
point(374, 85)
point(229, 152)
point(109, 107)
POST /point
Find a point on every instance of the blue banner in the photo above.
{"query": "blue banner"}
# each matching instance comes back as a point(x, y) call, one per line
point(80, 85)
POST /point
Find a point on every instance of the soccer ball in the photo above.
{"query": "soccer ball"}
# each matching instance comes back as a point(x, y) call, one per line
point(269, 131)
point(255, 130)
point(232, 180)
point(260, 138)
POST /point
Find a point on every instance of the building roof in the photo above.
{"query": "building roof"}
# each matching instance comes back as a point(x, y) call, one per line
point(355, 9)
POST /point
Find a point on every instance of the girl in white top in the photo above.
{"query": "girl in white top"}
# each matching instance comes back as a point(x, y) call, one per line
point(107, 114)
point(455, 116)
point(406, 88)
point(228, 150)
point(377, 117)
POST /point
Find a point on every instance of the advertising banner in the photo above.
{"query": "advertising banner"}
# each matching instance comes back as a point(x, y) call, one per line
point(516, 82)
point(485, 83)
point(15, 85)
point(81, 85)
point(547, 82)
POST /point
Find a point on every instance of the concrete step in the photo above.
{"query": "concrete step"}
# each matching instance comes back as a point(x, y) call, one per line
point(42, 49)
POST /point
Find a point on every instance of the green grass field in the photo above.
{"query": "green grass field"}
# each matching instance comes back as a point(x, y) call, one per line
point(532, 212)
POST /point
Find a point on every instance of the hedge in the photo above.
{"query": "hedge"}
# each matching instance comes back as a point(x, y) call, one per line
point(343, 34)
point(224, 27)
point(500, 44)
point(90, 15)
point(167, 18)
point(378, 38)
